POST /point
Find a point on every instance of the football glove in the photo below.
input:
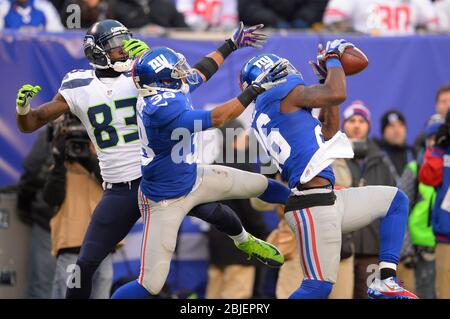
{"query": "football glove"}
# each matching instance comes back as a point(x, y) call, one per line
point(336, 48)
point(24, 96)
point(265, 81)
point(318, 67)
point(248, 37)
point(272, 77)
point(135, 47)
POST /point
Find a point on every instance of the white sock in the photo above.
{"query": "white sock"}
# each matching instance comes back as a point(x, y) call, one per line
point(241, 238)
point(384, 264)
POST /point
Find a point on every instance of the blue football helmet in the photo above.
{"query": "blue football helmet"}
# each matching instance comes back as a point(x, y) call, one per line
point(258, 65)
point(163, 69)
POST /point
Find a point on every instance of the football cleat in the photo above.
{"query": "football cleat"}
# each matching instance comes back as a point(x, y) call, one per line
point(389, 289)
point(266, 253)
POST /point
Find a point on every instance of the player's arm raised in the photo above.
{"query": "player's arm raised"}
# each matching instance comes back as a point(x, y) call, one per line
point(333, 91)
point(29, 120)
point(328, 116)
point(330, 119)
point(234, 107)
point(241, 38)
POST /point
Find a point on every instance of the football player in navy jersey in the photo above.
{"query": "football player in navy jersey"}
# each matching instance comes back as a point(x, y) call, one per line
point(303, 150)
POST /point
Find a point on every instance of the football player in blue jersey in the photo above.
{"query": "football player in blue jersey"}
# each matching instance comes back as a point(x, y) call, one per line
point(303, 150)
point(104, 99)
point(172, 183)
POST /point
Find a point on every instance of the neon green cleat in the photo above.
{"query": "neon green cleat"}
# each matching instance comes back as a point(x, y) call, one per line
point(266, 253)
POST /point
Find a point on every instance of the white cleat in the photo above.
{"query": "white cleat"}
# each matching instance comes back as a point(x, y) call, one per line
point(389, 289)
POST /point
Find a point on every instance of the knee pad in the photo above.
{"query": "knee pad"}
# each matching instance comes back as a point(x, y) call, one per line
point(313, 289)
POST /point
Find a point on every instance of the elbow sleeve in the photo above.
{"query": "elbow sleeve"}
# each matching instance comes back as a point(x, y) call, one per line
point(207, 66)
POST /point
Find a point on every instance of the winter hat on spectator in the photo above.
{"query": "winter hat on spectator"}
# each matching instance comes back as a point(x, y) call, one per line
point(433, 125)
point(390, 117)
point(358, 108)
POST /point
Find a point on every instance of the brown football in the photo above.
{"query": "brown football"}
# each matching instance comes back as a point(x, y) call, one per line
point(353, 61)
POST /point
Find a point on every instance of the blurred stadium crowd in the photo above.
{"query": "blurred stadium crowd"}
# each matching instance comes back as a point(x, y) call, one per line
point(367, 16)
point(50, 185)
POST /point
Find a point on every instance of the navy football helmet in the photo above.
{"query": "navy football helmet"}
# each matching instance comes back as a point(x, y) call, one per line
point(258, 65)
point(163, 69)
point(103, 37)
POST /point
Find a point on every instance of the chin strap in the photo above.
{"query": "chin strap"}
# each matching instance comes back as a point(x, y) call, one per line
point(118, 66)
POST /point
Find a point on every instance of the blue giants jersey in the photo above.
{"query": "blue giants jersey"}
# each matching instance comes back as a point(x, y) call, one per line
point(24, 16)
point(291, 139)
point(166, 123)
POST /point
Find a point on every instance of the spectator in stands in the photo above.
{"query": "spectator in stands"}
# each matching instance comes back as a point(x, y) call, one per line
point(140, 13)
point(91, 11)
point(34, 210)
point(294, 14)
point(366, 168)
point(377, 17)
point(231, 275)
point(209, 14)
point(442, 106)
point(421, 200)
point(435, 171)
point(28, 15)
point(393, 142)
point(443, 100)
point(443, 12)
point(73, 187)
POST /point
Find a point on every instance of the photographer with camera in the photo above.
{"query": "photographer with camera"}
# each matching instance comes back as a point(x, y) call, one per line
point(435, 171)
point(74, 187)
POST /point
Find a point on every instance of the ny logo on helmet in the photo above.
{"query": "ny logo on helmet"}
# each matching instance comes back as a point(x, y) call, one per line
point(159, 63)
point(264, 63)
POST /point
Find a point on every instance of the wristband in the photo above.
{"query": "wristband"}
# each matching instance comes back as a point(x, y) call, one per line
point(247, 96)
point(333, 63)
point(227, 48)
point(23, 110)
